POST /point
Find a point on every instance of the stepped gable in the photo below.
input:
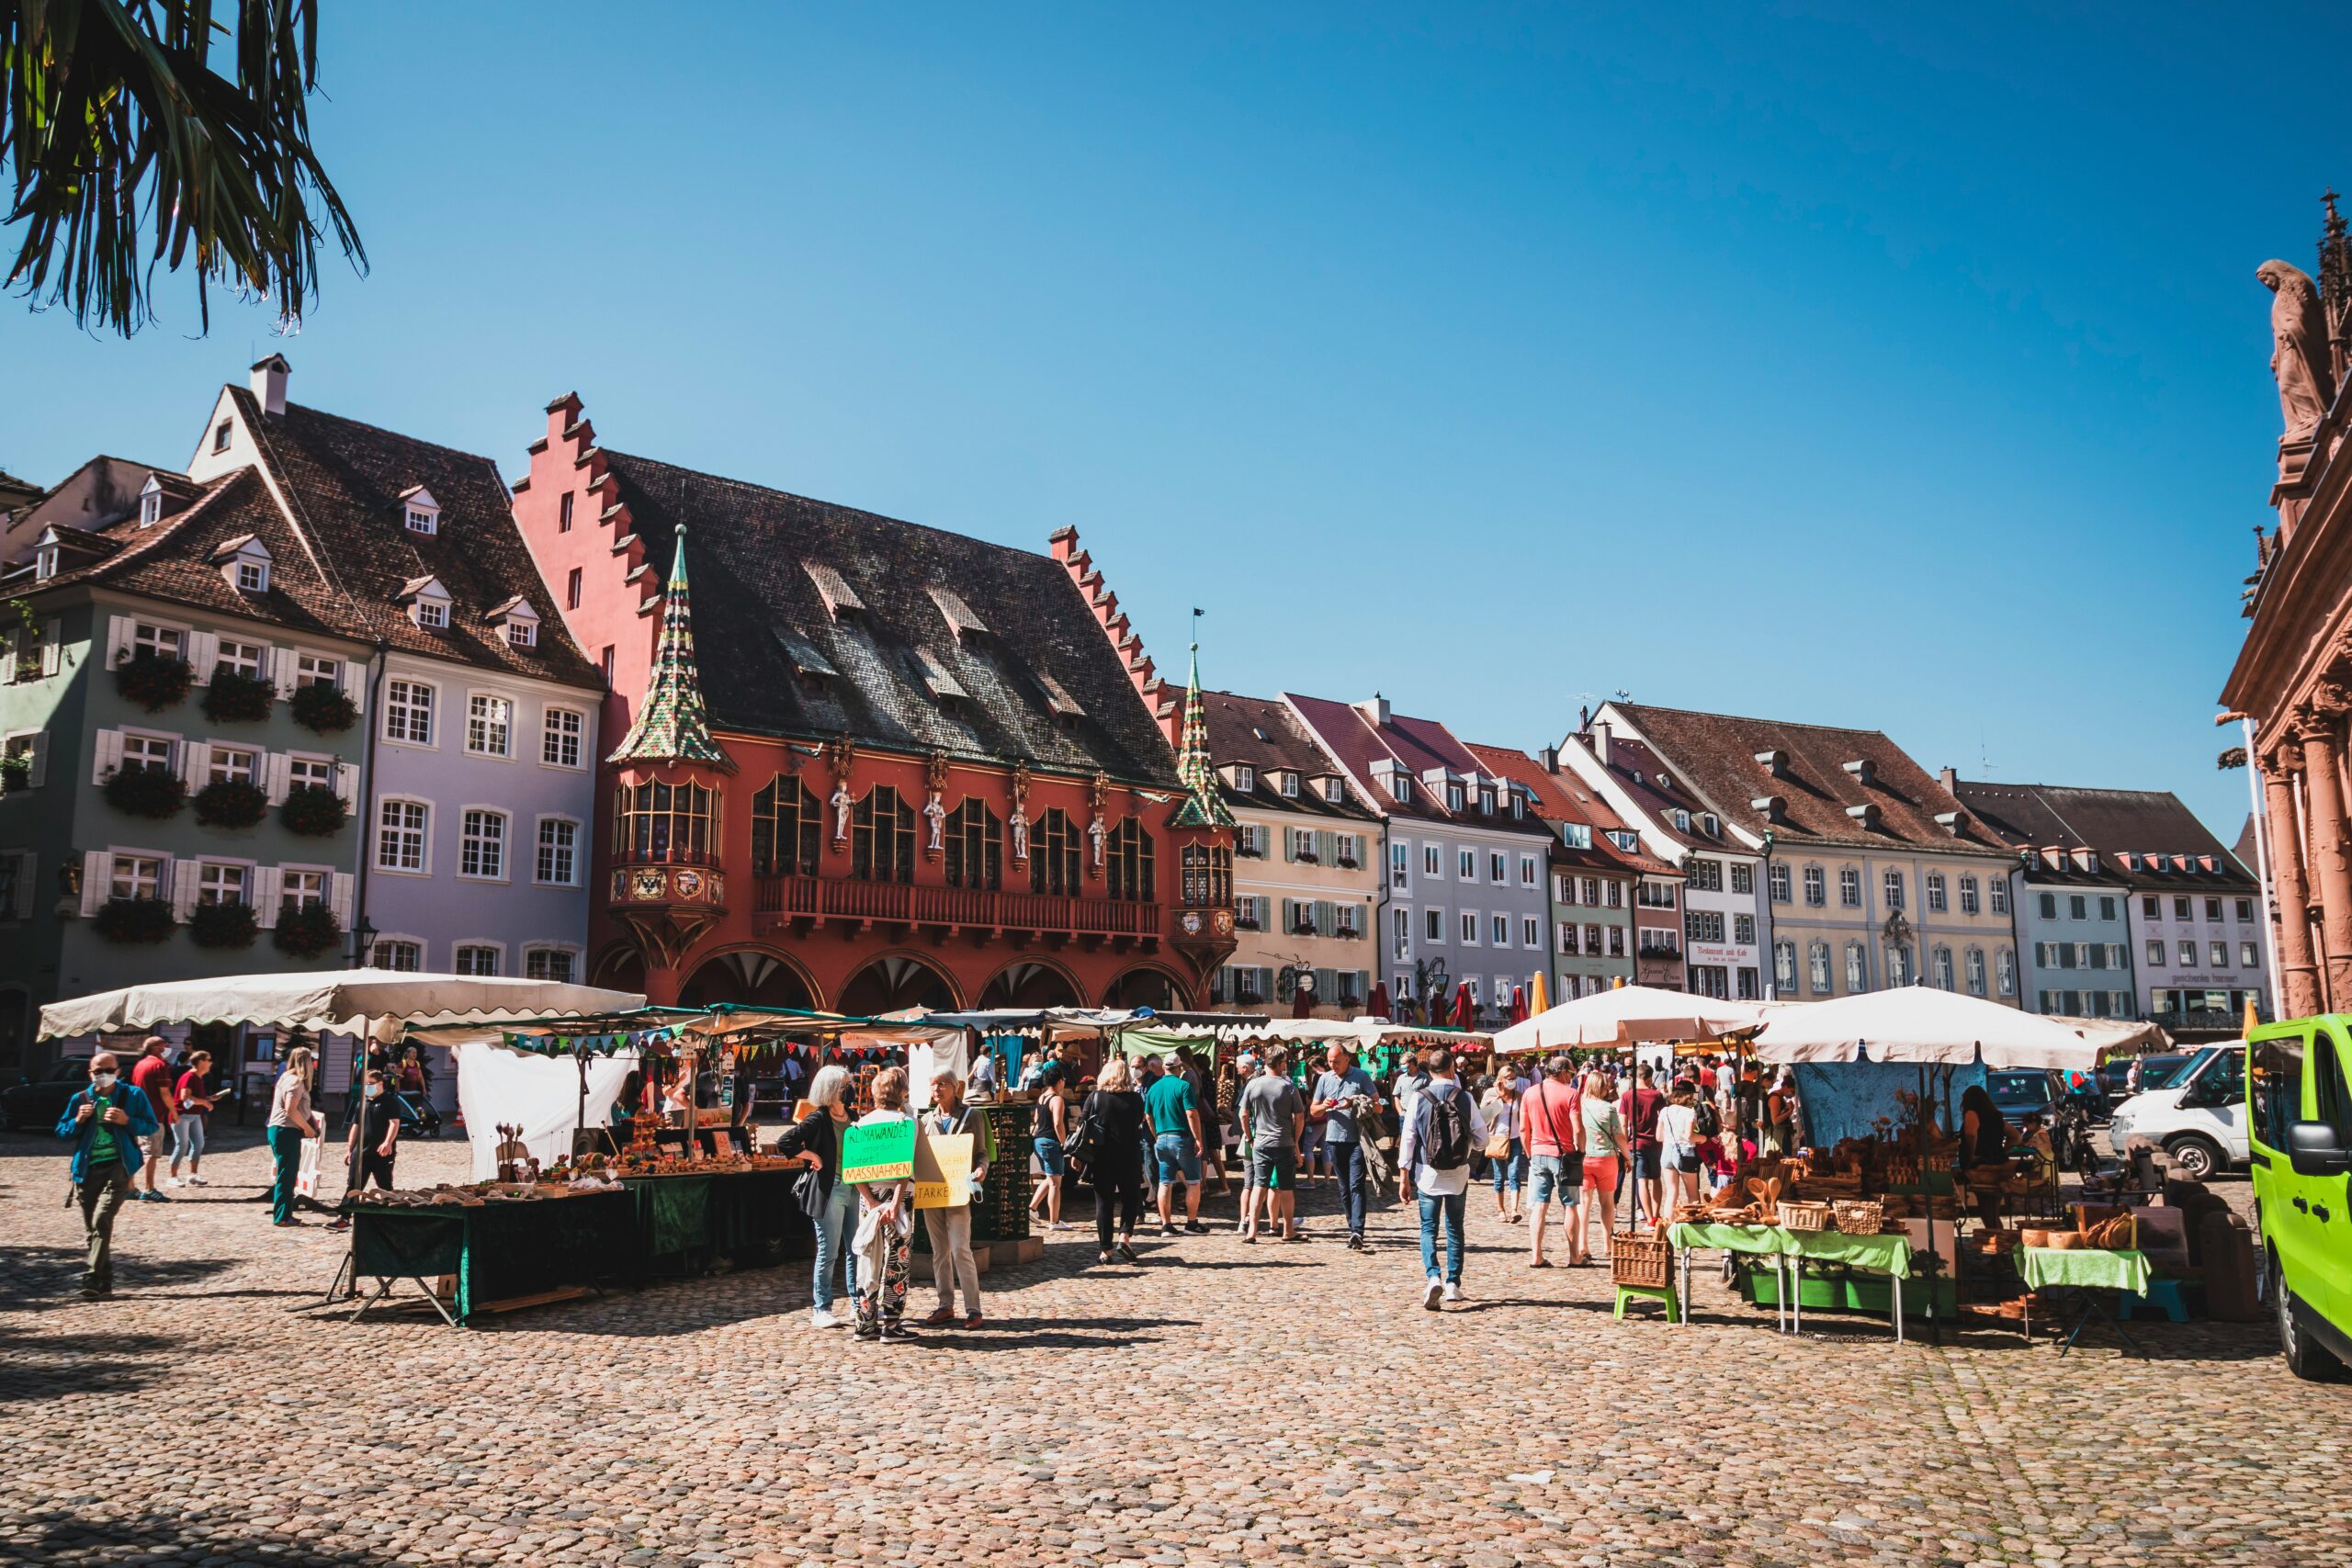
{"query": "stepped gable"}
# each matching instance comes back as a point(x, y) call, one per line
point(345, 483)
point(922, 639)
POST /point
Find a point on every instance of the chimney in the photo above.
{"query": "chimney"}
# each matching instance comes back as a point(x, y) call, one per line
point(269, 384)
point(1375, 712)
point(1949, 779)
point(1601, 741)
point(1550, 758)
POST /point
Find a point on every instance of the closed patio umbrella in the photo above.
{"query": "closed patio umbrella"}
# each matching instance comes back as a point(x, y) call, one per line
point(1378, 1004)
point(1518, 1004)
point(1465, 1010)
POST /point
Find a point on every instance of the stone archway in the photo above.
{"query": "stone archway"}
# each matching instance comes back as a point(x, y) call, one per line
point(895, 981)
point(1147, 986)
point(750, 978)
point(619, 968)
point(1031, 983)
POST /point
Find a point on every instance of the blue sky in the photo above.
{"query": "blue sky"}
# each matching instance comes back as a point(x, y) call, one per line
point(1891, 367)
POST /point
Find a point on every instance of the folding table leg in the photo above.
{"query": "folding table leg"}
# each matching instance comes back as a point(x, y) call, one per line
point(1898, 1307)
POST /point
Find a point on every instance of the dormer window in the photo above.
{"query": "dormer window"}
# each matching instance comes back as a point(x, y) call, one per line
point(1485, 803)
point(432, 613)
point(1711, 823)
point(522, 634)
point(517, 622)
point(419, 512)
point(1454, 798)
point(151, 503)
point(252, 577)
point(1245, 779)
point(1400, 785)
point(1288, 782)
point(44, 563)
point(1518, 806)
point(427, 602)
point(244, 562)
point(1334, 791)
point(1682, 819)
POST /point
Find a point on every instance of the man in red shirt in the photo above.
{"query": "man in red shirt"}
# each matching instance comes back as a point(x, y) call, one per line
point(1548, 1117)
point(1640, 1108)
point(153, 1077)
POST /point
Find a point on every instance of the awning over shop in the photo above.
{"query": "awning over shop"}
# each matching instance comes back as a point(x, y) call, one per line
point(377, 1002)
point(1920, 1025)
point(1627, 1015)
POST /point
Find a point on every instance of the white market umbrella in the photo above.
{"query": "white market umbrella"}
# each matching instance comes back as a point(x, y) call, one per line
point(342, 1002)
point(1923, 1024)
point(1628, 1015)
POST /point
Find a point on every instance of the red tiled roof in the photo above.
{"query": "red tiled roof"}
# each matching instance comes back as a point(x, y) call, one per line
point(1563, 798)
point(1415, 744)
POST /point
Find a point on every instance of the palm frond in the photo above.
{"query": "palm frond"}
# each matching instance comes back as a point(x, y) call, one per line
point(128, 152)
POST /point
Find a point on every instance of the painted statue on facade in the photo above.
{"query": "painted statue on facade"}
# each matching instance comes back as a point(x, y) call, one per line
point(2299, 355)
point(1019, 822)
point(934, 806)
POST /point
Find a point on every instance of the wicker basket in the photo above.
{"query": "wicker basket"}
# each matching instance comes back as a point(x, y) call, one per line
point(1796, 1214)
point(1858, 1216)
point(1642, 1260)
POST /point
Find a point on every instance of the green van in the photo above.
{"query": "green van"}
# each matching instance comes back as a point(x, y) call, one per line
point(2298, 1124)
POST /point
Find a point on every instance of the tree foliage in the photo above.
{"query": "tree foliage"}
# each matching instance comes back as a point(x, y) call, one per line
point(128, 150)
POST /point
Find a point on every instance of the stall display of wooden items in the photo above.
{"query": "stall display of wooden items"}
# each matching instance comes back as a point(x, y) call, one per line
point(1645, 1261)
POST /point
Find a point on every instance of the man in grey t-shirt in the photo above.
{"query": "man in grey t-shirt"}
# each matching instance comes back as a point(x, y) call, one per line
point(1273, 1115)
point(1337, 1092)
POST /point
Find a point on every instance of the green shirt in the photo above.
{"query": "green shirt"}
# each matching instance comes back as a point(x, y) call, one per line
point(102, 1143)
point(1167, 1100)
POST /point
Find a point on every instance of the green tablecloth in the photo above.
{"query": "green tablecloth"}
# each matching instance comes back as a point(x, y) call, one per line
point(1880, 1254)
point(501, 1250)
point(1731, 1238)
point(2046, 1266)
point(743, 1218)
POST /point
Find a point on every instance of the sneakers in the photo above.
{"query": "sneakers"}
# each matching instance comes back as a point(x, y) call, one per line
point(1128, 1253)
point(1167, 1229)
point(152, 1196)
point(173, 1181)
point(196, 1180)
point(1453, 1289)
point(1434, 1293)
point(1355, 1244)
point(1195, 1227)
point(822, 1317)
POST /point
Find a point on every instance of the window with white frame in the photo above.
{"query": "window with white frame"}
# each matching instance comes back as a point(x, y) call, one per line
point(1245, 779)
point(2000, 888)
point(1616, 895)
point(1776, 883)
point(1849, 888)
point(1527, 871)
point(1784, 965)
point(311, 670)
point(408, 711)
point(1743, 930)
point(548, 963)
point(253, 576)
point(489, 725)
point(1454, 798)
point(164, 642)
point(1466, 865)
point(218, 884)
point(1891, 887)
point(1968, 906)
point(2220, 953)
point(303, 889)
point(1743, 878)
point(1943, 971)
point(522, 633)
point(422, 516)
point(475, 958)
point(1975, 970)
point(2005, 969)
point(1592, 890)
point(2187, 955)
point(136, 876)
point(559, 864)
point(1936, 898)
point(432, 612)
point(1432, 861)
point(1434, 924)
point(146, 752)
point(400, 835)
point(232, 764)
point(2157, 951)
point(1501, 932)
point(1816, 892)
point(1335, 792)
point(240, 658)
point(1567, 938)
point(1706, 876)
point(482, 844)
point(396, 953)
point(1817, 966)
point(1469, 929)
point(1402, 925)
point(1497, 868)
point(1592, 938)
point(1858, 967)
point(2248, 955)
point(1655, 894)
point(1565, 888)
point(1400, 864)
point(309, 772)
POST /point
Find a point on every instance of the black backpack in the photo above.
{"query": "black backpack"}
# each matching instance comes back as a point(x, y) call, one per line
point(1446, 1143)
point(1708, 1124)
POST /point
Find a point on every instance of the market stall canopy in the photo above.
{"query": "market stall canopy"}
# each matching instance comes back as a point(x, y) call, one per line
point(380, 1002)
point(1920, 1023)
point(1628, 1015)
point(2115, 1036)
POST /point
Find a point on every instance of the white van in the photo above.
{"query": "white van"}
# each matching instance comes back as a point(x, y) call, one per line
point(2199, 1121)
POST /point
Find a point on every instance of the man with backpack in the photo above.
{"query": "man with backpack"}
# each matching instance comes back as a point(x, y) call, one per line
point(106, 1122)
point(1443, 1128)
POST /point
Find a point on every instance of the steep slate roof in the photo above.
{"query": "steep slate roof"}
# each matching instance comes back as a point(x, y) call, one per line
point(1714, 755)
point(1416, 744)
point(1262, 735)
point(1636, 769)
point(2114, 822)
point(756, 595)
point(1563, 798)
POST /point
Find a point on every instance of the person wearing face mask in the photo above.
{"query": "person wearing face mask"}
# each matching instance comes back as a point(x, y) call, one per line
point(292, 1120)
point(376, 1135)
point(106, 1122)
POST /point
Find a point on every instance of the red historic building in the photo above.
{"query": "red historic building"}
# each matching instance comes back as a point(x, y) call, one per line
point(868, 765)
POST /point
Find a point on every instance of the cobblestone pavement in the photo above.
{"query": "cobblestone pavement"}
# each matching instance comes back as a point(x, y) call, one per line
point(1219, 1403)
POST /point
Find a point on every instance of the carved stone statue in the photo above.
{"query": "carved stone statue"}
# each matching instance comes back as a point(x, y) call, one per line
point(1019, 820)
point(840, 804)
point(935, 813)
point(1095, 833)
point(2299, 354)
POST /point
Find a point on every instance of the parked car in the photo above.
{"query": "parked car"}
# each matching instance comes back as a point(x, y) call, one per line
point(2297, 1107)
point(2156, 1071)
point(30, 1106)
point(2199, 1120)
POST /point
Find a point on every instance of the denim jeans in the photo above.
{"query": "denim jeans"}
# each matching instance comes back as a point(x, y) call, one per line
point(187, 1140)
point(832, 1225)
point(1347, 1159)
point(1511, 1170)
point(1452, 1203)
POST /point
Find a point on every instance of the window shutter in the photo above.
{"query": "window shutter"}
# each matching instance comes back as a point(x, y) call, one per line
point(185, 876)
point(339, 898)
point(109, 755)
point(50, 632)
point(119, 629)
point(27, 867)
point(276, 775)
point(355, 684)
point(40, 775)
point(8, 659)
point(97, 874)
point(346, 786)
point(1326, 922)
point(203, 653)
point(1327, 848)
point(196, 760)
point(277, 666)
point(269, 883)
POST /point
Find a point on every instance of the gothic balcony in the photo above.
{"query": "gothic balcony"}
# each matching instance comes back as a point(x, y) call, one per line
point(978, 913)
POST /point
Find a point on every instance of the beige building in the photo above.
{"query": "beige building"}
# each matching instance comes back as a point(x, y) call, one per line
point(1306, 866)
point(1873, 874)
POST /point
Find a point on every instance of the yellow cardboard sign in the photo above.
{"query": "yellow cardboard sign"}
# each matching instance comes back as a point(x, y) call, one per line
point(942, 1170)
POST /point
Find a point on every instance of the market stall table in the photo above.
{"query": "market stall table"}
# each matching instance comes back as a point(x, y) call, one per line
point(1788, 1250)
point(501, 1252)
point(2086, 1271)
point(1761, 1241)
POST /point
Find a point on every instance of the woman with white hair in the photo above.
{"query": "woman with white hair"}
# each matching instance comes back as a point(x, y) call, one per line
point(815, 1140)
point(292, 1120)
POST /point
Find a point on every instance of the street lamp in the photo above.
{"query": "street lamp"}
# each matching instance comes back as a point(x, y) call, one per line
point(363, 941)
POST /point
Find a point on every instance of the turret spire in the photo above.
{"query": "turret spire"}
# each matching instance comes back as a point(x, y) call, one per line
point(1203, 807)
point(671, 725)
